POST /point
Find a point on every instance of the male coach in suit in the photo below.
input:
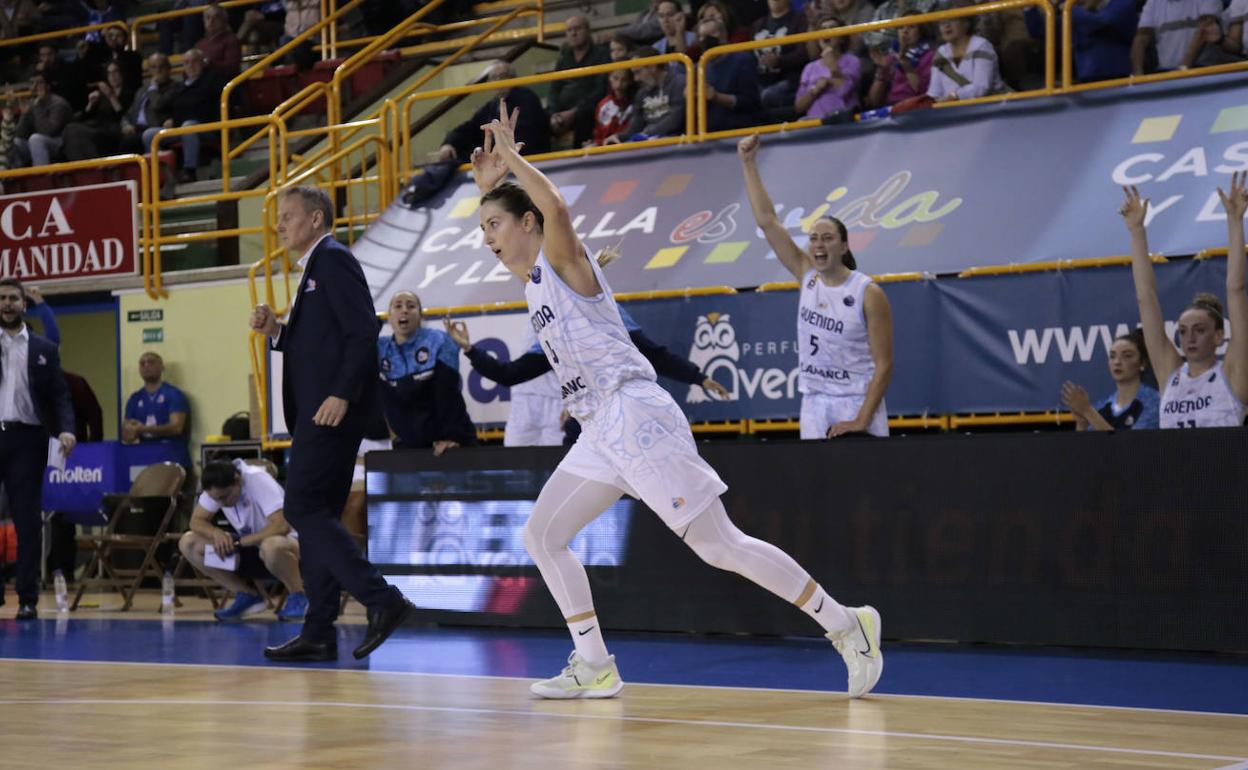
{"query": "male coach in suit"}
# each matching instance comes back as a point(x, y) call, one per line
point(329, 391)
point(34, 401)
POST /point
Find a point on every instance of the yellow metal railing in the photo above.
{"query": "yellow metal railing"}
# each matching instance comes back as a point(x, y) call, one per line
point(902, 21)
point(152, 18)
point(316, 29)
point(402, 141)
point(274, 253)
point(59, 33)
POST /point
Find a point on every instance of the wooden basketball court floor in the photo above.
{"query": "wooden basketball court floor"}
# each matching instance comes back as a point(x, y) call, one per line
point(130, 690)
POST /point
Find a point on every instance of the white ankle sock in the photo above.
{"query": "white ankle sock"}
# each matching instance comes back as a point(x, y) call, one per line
point(587, 636)
point(834, 618)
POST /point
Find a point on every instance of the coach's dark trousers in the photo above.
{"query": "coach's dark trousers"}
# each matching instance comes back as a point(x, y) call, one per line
point(318, 481)
point(23, 457)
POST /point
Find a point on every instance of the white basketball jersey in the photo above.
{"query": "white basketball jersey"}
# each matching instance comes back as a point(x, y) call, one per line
point(834, 357)
point(546, 386)
point(583, 337)
point(1200, 402)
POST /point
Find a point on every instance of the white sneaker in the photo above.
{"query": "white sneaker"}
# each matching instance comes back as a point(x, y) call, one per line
point(579, 680)
point(860, 647)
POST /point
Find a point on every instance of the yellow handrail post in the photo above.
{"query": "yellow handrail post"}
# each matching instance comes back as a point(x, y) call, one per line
point(259, 67)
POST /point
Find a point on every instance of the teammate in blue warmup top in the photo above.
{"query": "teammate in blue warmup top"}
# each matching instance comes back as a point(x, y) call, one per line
point(1132, 406)
point(635, 439)
point(420, 389)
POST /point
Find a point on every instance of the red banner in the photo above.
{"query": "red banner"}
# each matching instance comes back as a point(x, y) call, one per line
point(75, 232)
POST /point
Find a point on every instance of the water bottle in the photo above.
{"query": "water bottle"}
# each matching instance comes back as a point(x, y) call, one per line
point(876, 114)
point(62, 592)
point(166, 593)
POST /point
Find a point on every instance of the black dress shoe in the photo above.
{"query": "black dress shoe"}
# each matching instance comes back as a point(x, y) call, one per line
point(300, 650)
point(381, 623)
point(26, 612)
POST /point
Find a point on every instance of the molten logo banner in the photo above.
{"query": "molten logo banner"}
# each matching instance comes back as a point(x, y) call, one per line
point(75, 232)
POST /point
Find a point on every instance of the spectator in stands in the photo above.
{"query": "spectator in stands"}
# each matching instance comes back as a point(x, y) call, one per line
point(1198, 390)
point(93, 12)
point(1101, 33)
point(18, 18)
point(620, 47)
point(615, 112)
point(181, 32)
point(117, 49)
point(96, 130)
point(904, 74)
point(829, 84)
point(677, 37)
point(780, 67)
point(732, 90)
point(572, 102)
point(40, 131)
point(301, 15)
point(1236, 39)
point(965, 66)
point(645, 29)
point(420, 390)
point(1209, 41)
point(222, 53)
point(533, 129)
point(157, 411)
point(8, 129)
point(659, 108)
point(1173, 30)
point(197, 101)
point(66, 79)
point(1133, 405)
point(1020, 57)
point(262, 543)
point(151, 108)
point(717, 9)
point(850, 12)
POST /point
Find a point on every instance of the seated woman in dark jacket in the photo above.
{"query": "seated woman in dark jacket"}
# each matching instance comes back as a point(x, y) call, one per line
point(96, 131)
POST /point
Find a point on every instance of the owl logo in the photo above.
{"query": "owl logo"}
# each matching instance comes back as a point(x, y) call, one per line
point(715, 347)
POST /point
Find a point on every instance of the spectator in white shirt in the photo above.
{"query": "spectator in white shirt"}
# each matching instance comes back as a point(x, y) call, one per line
point(262, 544)
point(1174, 29)
point(965, 67)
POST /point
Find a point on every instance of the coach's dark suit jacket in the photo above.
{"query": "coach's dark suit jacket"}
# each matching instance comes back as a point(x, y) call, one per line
point(48, 390)
point(329, 343)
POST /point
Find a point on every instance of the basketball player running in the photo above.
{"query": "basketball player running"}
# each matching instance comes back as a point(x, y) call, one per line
point(635, 439)
point(1198, 391)
point(844, 322)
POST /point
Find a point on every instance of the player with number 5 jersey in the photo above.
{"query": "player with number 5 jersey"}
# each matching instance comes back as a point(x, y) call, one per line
point(844, 322)
point(634, 439)
point(1198, 390)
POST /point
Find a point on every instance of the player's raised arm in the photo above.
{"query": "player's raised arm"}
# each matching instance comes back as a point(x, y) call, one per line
point(787, 251)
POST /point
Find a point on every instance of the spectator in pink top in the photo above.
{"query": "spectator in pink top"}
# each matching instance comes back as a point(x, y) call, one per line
point(829, 84)
point(904, 70)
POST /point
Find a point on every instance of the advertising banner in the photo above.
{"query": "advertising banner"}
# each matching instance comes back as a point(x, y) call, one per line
point(960, 345)
point(934, 191)
point(74, 232)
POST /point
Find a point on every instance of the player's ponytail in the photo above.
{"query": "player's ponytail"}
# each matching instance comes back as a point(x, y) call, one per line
point(847, 258)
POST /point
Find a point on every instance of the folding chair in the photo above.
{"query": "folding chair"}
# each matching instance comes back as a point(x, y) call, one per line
point(153, 497)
